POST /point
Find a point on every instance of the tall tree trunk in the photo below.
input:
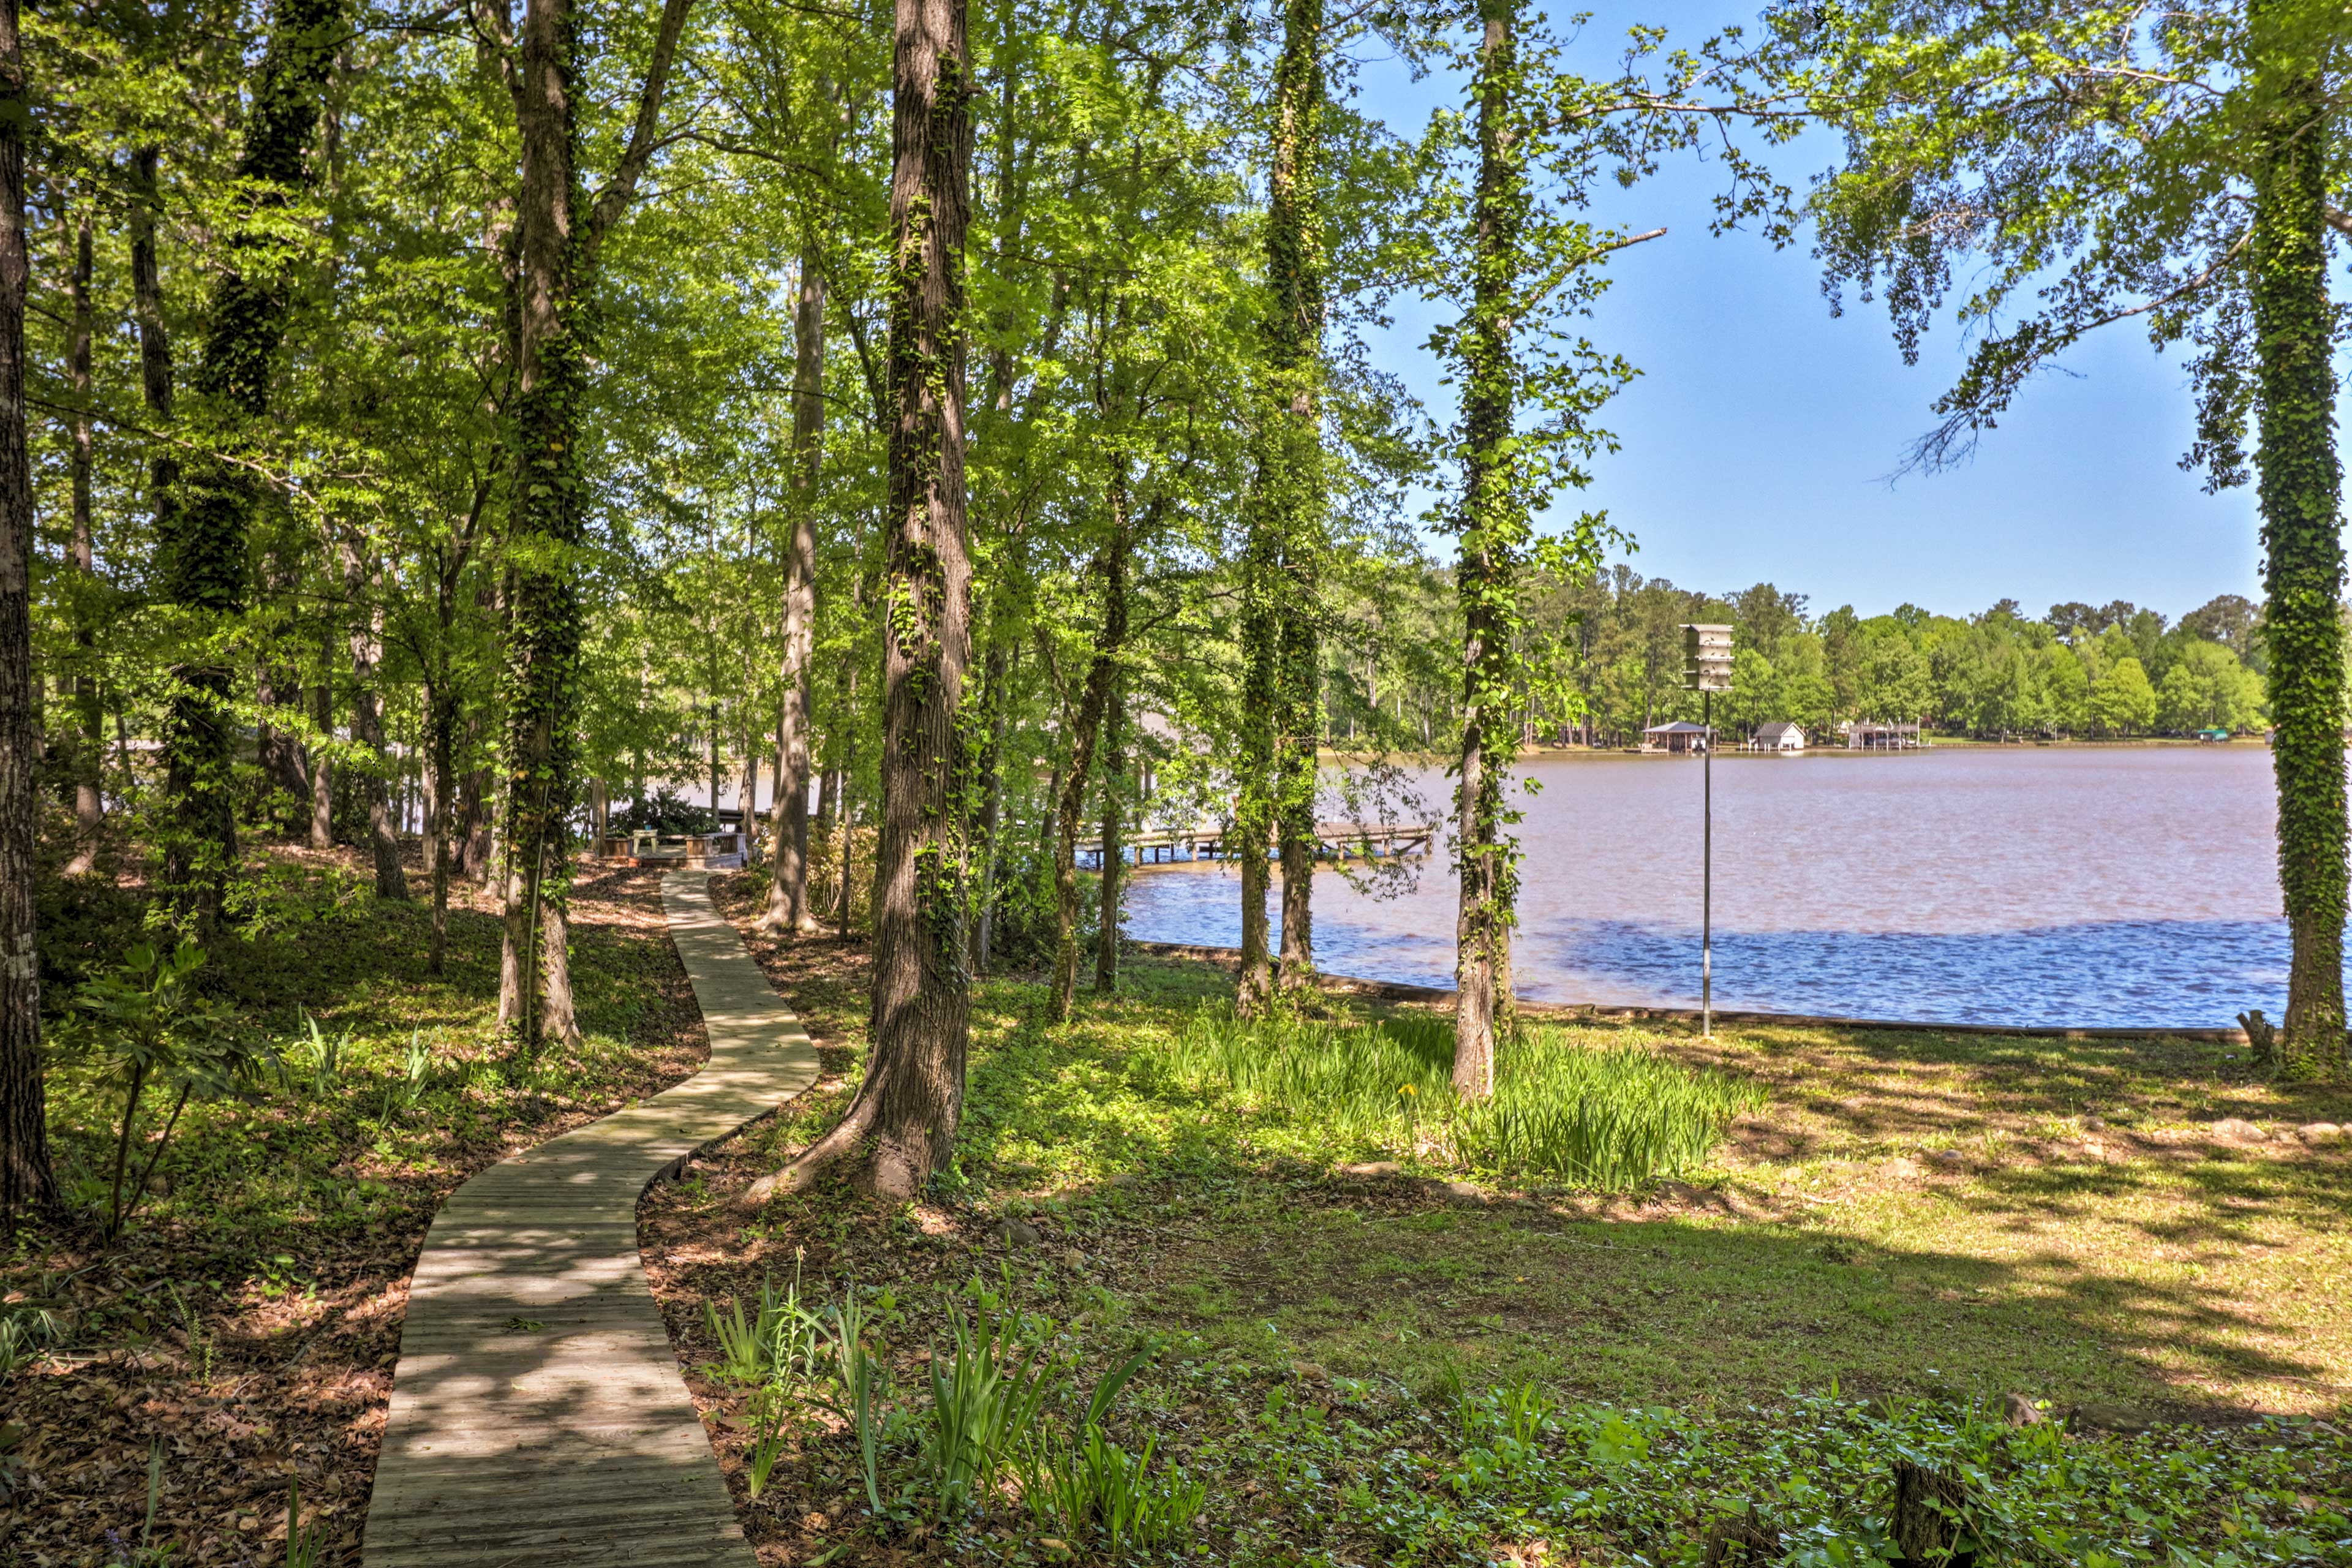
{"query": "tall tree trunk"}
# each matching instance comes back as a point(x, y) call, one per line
point(1483, 573)
point(788, 906)
point(542, 605)
point(81, 586)
point(322, 767)
point(747, 799)
point(2300, 484)
point(1114, 847)
point(1255, 780)
point(277, 685)
point(845, 823)
point(155, 338)
point(440, 737)
point(556, 246)
point(1281, 692)
point(365, 636)
point(997, 677)
point(902, 1125)
point(203, 550)
point(714, 765)
point(1302, 725)
point(474, 856)
point(26, 1181)
point(1086, 731)
point(278, 689)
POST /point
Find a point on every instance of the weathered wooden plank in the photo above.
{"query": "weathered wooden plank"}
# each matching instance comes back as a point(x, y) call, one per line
point(537, 1412)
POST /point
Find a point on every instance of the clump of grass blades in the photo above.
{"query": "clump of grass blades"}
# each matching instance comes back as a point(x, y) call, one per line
point(777, 1343)
point(1092, 1488)
point(1608, 1118)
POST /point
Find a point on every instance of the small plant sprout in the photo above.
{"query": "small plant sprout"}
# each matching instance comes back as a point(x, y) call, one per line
point(143, 1025)
point(306, 1545)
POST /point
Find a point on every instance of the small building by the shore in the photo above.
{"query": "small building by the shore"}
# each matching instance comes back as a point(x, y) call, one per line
point(1681, 738)
point(1778, 736)
point(1881, 737)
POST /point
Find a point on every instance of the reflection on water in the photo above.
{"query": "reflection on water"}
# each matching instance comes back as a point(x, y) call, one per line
point(2125, 886)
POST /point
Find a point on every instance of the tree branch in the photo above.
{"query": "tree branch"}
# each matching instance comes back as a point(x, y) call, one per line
point(644, 136)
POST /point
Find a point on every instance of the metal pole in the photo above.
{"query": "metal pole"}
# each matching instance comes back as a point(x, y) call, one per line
point(1707, 878)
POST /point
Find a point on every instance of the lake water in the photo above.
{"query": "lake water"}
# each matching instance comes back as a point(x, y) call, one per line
point(2132, 886)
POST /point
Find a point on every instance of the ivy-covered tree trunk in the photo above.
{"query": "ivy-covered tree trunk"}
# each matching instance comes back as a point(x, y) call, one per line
point(26, 1181)
point(994, 709)
point(440, 742)
point(1482, 573)
point(544, 637)
point(322, 766)
point(1302, 730)
point(558, 236)
point(365, 636)
point(1281, 642)
point(1255, 781)
point(1086, 734)
point(902, 1125)
point(2300, 484)
point(82, 585)
point(1114, 845)
point(788, 905)
point(202, 546)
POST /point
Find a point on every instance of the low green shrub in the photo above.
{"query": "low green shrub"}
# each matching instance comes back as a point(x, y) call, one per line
point(1820, 1476)
point(1611, 1118)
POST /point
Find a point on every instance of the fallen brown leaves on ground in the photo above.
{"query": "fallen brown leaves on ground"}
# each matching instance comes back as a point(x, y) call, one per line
point(234, 1375)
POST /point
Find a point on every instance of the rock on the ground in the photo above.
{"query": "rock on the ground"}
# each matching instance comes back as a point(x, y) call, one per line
point(2109, 1418)
point(2235, 1130)
point(2318, 1132)
point(1019, 1232)
point(1372, 1168)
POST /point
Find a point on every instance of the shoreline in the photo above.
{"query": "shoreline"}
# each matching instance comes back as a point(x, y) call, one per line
point(1340, 754)
point(1599, 1012)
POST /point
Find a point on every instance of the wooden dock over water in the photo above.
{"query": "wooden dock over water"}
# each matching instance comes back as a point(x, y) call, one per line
point(1147, 849)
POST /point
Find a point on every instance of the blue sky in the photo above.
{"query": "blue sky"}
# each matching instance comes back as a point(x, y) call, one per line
point(1759, 441)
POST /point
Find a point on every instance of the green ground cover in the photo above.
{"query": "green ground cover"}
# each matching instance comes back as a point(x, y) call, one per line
point(1366, 1353)
point(242, 1331)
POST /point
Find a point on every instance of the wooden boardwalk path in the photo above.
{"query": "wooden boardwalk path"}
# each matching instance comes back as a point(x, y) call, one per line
point(538, 1418)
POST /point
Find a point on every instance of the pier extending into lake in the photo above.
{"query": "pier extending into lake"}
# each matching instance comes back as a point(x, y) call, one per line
point(1148, 849)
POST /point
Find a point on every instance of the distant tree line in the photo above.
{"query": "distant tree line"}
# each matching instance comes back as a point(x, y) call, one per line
point(1604, 662)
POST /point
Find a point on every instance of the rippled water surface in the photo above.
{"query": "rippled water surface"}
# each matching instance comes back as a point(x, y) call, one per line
point(2132, 886)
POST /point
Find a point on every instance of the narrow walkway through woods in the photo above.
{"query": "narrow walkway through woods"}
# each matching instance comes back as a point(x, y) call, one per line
point(538, 1415)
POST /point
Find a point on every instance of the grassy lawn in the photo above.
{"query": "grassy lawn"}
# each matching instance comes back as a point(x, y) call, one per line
point(242, 1334)
point(2129, 1235)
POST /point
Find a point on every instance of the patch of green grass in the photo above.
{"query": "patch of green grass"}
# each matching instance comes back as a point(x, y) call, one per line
point(378, 1078)
point(1608, 1118)
point(1373, 1369)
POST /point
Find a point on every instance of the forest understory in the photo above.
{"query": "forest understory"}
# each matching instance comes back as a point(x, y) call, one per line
point(239, 1339)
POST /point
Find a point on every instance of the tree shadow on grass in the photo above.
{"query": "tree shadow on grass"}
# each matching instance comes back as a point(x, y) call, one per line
point(1672, 1311)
